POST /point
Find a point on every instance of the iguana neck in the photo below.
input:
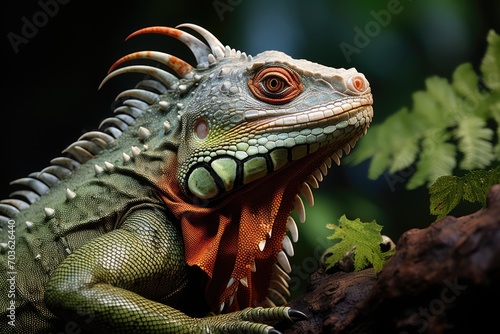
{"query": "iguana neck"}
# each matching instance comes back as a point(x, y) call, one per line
point(237, 239)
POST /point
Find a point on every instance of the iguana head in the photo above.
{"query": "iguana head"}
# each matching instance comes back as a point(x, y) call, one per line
point(256, 134)
point(250, 119)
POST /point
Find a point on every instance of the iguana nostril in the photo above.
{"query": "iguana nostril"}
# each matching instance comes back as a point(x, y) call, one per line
point(358, 83)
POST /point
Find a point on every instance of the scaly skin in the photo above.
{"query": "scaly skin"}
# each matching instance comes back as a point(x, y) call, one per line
point(172, 216)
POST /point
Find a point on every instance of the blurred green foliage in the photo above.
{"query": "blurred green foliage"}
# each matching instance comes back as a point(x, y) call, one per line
point(450, 129)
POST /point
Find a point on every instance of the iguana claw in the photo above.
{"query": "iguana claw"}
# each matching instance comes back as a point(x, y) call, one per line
point(296, 315)
point(293, 315)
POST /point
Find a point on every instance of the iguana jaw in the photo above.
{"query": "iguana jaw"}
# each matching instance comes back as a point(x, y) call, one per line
point(238, 239)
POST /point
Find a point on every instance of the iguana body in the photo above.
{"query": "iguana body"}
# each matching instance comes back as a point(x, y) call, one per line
point(179, 205)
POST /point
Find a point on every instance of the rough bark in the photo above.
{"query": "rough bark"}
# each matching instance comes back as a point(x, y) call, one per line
point(443, 279)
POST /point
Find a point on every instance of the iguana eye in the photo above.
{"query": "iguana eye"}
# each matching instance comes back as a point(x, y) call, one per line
point(276, 85)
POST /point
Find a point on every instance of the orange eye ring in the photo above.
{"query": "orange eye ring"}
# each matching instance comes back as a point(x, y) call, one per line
point(275, 85)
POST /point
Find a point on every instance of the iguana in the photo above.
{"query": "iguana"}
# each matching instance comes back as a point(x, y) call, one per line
point(174, 216)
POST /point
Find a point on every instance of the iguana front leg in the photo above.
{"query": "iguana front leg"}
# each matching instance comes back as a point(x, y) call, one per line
point(109, 284)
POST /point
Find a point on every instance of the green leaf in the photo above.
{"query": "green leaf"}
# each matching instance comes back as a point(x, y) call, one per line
point(448, 191)
point(445, 194)
point(361, 238)
point(474, 141)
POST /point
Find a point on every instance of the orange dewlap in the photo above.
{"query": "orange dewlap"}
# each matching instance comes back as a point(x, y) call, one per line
point(222, 239)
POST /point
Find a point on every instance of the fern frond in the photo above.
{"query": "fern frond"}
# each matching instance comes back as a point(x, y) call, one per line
point(490, 71)
point(474, 141)
point(447, 122)
point(393, 150)
point(465, 80)
point(437, 159)
point(472, 100)
point(405, 155)
point(442, 92)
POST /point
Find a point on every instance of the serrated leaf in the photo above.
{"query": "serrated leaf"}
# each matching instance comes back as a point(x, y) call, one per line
point(445, 194)
point(361, 238)
point(477, 184)
point(448, 191)
point(474, 141)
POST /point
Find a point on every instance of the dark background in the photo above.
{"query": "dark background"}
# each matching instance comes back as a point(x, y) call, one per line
point(50, 79)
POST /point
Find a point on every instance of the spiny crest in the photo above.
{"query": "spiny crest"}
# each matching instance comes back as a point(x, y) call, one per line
point(206, 55)
point(133, 104)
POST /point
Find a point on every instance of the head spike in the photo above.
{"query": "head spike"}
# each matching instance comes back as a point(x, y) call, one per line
point(216, 46)
point(197, 47)
point(164, 77)
point(180, 67)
